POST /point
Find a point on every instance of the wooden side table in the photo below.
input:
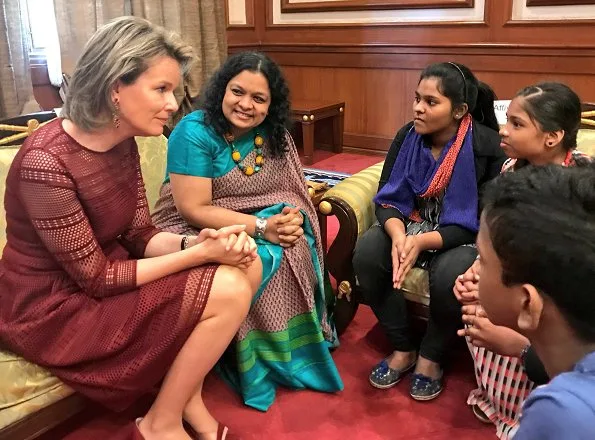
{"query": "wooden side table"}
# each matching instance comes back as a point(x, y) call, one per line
point(308, 113)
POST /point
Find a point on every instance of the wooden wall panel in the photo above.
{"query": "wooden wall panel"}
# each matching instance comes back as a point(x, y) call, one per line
point(379, 101)
point(375, 68)
point(559, 2)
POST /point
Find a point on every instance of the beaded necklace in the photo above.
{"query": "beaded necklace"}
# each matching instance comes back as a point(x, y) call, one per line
point(237, 157)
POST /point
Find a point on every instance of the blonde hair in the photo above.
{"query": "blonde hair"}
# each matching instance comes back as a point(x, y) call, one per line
point(121, 50)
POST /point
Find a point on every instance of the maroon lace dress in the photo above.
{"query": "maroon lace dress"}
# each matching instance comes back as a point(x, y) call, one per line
point(76, 222)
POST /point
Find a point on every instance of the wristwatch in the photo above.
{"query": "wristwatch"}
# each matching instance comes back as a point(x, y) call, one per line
point(260, 228)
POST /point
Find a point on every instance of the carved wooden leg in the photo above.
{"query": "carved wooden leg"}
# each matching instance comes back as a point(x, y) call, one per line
point(344, 313)
point(338, 124)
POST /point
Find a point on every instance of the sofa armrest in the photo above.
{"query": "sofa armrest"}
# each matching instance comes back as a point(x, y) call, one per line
point(351, 202)
point(586, 141)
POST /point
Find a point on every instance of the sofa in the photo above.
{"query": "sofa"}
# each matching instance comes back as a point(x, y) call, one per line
point(33, 401)
point(351, 202)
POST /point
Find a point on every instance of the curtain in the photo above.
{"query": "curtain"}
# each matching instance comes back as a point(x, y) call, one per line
point(15, 78)
point(201, 23)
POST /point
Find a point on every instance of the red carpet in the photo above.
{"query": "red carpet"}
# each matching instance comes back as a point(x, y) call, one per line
point(347, 162)
point(359, 412)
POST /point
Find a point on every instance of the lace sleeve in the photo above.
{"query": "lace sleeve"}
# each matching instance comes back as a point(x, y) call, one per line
point(49, 196)
point(136, 238)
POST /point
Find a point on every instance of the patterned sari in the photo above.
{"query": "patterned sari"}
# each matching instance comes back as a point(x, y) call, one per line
point(286, 337)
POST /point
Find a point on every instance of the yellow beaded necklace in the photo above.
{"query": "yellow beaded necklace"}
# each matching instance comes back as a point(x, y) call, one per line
point(237, 157)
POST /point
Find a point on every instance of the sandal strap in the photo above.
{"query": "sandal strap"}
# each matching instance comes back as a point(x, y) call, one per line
point(222, 431)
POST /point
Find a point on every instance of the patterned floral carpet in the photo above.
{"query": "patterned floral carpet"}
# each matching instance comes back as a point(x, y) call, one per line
point(331, 178)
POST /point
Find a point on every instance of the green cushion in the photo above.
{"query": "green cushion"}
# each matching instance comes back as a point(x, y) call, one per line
point(153, 154)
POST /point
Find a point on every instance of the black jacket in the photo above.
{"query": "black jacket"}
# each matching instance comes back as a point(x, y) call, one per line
point(489, 158)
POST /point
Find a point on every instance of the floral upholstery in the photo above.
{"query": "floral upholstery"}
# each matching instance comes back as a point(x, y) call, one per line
point(25, 387)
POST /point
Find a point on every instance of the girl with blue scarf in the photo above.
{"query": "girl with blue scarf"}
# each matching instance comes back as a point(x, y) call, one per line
point(427, 209)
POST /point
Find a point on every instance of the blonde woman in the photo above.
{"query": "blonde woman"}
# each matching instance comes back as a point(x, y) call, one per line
point(89, 288)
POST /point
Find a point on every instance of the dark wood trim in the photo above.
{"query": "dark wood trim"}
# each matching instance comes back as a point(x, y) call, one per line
point(496, 26)
point(235, 48)
point(396, 24)
point(364, 152)
point(550, 23)
point(527, 49)
point(488, 58)
point(250, 13)
point(366, 5)
point(269, 24)
point(559, 2)
point(43, 420)
point(378, 144)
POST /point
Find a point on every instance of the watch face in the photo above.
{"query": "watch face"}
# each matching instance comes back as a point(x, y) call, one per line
point(261, 225)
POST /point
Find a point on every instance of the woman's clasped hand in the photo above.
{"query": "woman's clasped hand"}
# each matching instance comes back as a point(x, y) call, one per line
point(229, 245)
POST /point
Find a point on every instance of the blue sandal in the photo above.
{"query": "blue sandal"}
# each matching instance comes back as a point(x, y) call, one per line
point(383, 376)
point(425, 388)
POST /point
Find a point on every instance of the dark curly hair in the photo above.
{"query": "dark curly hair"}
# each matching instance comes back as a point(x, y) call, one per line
point(278, 118)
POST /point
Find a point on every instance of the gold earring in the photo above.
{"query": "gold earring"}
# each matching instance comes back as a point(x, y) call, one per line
point(115, 115)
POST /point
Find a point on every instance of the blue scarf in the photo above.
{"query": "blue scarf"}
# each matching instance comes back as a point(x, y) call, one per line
point(414, 170)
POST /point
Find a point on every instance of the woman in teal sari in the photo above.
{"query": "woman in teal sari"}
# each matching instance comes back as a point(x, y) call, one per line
point(233, 162)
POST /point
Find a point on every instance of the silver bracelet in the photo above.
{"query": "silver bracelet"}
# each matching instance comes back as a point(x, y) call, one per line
point(260, 227)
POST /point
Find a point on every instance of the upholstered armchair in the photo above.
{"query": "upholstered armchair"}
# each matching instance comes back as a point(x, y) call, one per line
point(32, 400)
point(351, 202)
